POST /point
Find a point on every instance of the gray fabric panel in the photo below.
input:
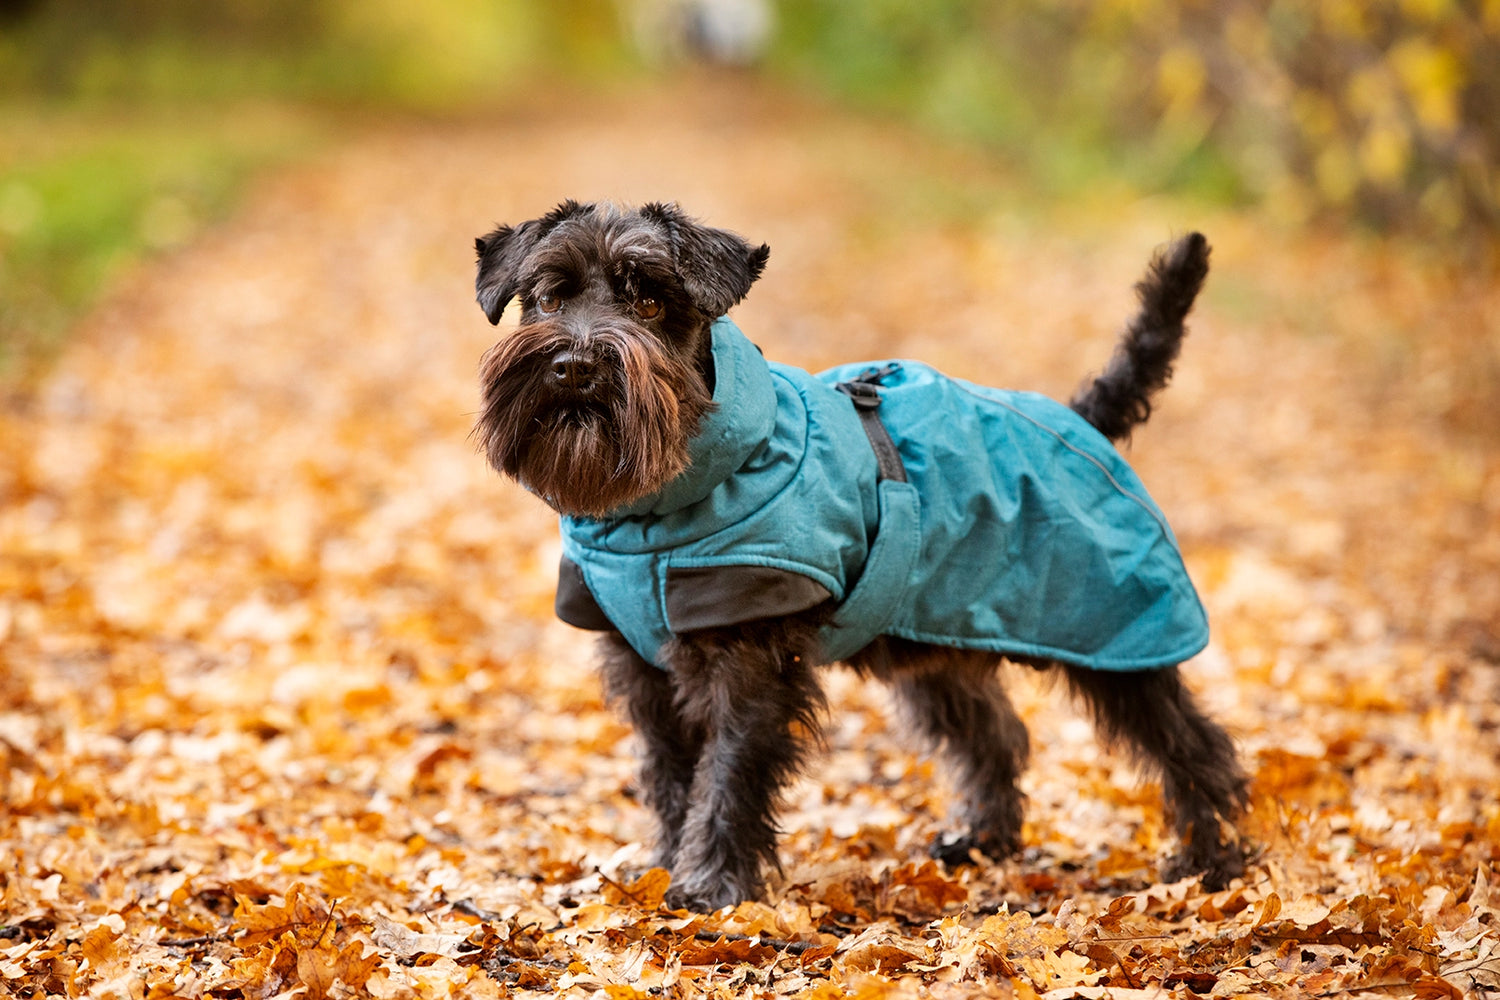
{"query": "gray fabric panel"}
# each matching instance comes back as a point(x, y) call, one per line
point(575, 603)
point(701, 597)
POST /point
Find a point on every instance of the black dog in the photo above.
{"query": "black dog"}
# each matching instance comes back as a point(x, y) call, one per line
point(621, 400)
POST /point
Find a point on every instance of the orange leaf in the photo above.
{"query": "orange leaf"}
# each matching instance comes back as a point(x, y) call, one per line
point(320, 967)
point(724, 950)
point(1268, 909)
point(646, 892)
point(264, 923)
point(880, 957)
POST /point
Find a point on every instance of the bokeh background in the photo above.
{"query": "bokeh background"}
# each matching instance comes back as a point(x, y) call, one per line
point(282, 697)
point(127, 125)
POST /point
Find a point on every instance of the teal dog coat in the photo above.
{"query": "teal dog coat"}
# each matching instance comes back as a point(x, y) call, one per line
point(981, 518)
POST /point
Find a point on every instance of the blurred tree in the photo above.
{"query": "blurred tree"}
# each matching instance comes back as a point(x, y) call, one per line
point(1388, 108)
point(1383, 110)
point(128, 124)
point(435, 55)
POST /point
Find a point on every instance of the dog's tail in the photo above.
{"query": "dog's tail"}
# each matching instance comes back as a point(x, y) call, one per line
point(1120, 398)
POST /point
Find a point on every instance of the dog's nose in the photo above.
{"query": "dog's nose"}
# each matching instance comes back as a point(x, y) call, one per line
point(574, 369)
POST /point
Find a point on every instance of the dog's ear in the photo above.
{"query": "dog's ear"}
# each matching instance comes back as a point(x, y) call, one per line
point(501, 253)
point(716, 266)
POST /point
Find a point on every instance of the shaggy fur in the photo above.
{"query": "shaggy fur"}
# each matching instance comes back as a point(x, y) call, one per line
point(1119, 399)
point(591, 404)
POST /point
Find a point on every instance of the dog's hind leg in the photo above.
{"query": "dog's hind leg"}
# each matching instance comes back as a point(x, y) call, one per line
point(1152, 713)
point(953, 699)
point(752, 691)
point(671, 744)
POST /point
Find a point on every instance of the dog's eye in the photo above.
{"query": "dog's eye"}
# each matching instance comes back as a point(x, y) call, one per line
point(548, 303)
point(647, 308)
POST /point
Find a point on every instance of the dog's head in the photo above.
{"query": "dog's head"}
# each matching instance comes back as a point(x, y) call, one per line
point(592, 401)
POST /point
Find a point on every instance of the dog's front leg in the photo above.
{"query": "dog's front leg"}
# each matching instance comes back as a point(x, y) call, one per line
point(671, 744)
point(752, 691)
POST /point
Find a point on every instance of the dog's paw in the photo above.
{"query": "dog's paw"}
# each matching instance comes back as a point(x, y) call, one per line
point(704, 895)
point(1215, 870)
point(956, 850)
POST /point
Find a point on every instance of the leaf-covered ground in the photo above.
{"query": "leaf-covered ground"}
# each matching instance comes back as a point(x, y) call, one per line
point(283, 710)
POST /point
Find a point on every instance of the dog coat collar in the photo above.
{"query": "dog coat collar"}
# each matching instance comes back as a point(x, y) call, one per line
point(1020, 529)
point(778, 511)
point(742, 420)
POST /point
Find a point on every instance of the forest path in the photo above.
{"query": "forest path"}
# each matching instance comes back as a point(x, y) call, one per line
point(266, 618)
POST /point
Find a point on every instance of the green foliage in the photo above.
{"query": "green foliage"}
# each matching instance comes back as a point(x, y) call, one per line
point(83, 193)
point(1382, 110)
point(128, 124)
point(424, 56)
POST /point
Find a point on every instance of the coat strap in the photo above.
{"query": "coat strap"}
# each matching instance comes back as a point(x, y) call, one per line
point(872, 604)
point(864, 393)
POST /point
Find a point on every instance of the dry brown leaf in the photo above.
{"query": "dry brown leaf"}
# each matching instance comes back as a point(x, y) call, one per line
point(404, 942)
point(647, 892)
point(322, 970)
point(724, 950)
point(296, 913)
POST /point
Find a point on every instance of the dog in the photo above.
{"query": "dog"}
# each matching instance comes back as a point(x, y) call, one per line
point(731, 525)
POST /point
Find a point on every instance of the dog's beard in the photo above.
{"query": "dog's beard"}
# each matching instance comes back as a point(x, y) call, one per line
point(589, 454)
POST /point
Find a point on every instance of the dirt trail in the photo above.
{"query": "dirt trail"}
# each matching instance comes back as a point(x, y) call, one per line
point(266, 619)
